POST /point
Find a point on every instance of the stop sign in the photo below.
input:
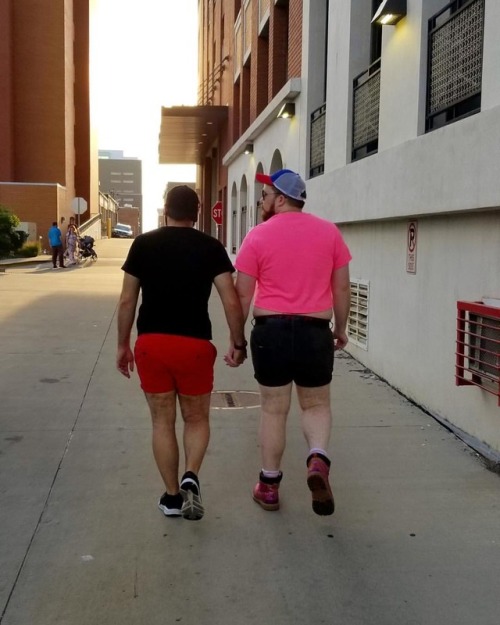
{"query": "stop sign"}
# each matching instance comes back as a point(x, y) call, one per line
point(217, 213)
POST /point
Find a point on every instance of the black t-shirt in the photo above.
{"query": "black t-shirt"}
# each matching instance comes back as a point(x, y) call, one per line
point(176, 268)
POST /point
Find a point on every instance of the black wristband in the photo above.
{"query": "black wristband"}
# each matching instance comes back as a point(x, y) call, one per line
point(241, 347)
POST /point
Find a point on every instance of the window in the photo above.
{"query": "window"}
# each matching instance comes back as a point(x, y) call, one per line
point(234, 218)
point(243, 224)
point(455, 63)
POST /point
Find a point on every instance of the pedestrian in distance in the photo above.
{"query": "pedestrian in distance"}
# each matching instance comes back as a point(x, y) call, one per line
point(56, 244)
point(71, 240)
point(174, 267)
point(300, 266)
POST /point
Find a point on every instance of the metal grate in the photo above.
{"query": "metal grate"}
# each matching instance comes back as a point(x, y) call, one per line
point(455, 62)
point(234, 400)
point(357, 326)
point(478, 347)
point(318, 127)
point(366, 107)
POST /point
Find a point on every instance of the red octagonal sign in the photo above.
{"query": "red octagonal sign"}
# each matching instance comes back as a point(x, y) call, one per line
point(217, 213)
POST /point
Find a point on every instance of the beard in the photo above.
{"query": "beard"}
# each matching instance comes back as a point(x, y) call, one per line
point(266, 215)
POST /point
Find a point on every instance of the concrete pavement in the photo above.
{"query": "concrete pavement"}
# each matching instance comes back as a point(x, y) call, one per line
point(415, 538)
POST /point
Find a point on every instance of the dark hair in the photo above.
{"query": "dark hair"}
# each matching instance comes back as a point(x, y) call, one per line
point(182, 204)
point(54, 223)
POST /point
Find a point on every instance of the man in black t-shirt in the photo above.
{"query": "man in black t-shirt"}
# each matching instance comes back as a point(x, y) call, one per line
point(174, 268)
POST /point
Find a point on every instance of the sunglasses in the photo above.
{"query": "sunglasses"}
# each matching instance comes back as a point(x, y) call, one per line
point(266, 193)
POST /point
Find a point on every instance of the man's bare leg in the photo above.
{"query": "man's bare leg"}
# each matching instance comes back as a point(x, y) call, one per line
point(195, 412)
point(316, 416)
point(165, 447)
point(316, 425)
point(272, 437)
point(272, 430)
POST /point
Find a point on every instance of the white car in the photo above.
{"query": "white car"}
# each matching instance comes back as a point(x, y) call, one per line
point(122, 231)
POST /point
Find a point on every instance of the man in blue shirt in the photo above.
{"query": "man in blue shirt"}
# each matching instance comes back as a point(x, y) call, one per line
point(55, 240)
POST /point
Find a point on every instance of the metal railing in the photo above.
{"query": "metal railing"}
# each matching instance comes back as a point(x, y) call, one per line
point(365, 115)
point(317, 149)
point(455, 62)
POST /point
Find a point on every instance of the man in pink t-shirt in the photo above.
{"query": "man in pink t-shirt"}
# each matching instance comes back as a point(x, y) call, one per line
point(297, 267)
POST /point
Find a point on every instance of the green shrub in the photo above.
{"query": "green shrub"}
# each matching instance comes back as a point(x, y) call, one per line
point(28, 250)
point(10, 240)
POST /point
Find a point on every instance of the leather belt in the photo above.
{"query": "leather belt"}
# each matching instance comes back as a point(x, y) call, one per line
point(299, 319)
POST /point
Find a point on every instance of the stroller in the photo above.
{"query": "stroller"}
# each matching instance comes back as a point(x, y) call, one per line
point(86, 248)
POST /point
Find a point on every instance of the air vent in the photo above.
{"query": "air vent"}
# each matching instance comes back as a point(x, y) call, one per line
point(478, 346)
point(357, 327)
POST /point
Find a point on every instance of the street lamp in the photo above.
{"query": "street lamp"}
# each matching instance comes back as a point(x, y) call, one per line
point(287, 110)
point(390, 12)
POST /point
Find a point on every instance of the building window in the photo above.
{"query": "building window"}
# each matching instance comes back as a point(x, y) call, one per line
point(366, 107)
point(243, 224)
point(455, 63)
point(318, 129)
point(234, 219)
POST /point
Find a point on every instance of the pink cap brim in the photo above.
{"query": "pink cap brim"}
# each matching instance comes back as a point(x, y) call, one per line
point(264, 178)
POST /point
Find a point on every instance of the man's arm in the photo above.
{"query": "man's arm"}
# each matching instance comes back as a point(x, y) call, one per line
point(126, 314)
point(234, 315)
point(341, 289)
point(245, 287)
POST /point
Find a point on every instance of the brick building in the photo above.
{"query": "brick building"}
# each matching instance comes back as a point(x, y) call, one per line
point(121, 178)
point(47, 151)
point(249, 67)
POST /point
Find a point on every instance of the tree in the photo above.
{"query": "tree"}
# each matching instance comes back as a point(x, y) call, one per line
point(10, 240)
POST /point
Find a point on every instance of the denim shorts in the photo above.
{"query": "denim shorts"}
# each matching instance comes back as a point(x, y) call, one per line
point(292, 348)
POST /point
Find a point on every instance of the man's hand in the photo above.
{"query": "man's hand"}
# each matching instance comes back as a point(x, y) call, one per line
point(235, 357)
point(125, 361)
point(340, 340)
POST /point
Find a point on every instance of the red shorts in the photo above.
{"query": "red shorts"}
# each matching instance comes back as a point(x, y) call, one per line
point(166, 362)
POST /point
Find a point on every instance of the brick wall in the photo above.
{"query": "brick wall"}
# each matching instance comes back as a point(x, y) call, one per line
point(6, 134)
point(275, 57)
point(40, 91)
point(295, 19)
point(278, 45)
point(38, 203)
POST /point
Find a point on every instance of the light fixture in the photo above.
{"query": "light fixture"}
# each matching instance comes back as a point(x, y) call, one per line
point(287, 110)
point(249, 148)
point(390, 12)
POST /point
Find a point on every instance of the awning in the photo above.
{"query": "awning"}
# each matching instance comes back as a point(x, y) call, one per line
point(188, 132)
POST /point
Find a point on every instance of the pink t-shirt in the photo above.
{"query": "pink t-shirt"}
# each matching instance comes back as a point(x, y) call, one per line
point(292, 256)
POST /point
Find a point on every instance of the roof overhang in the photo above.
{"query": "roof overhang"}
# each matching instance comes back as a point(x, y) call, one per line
point(188, 132)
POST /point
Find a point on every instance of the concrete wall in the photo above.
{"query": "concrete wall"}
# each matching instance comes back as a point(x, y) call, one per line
point(412, 318)
point(281, 136)
point(447, 179)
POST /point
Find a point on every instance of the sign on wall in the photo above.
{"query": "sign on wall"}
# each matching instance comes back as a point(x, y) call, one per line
point(411, 247)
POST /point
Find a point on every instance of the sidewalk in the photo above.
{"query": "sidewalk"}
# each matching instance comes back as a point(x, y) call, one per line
point(19, 262)
point(415, 538)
